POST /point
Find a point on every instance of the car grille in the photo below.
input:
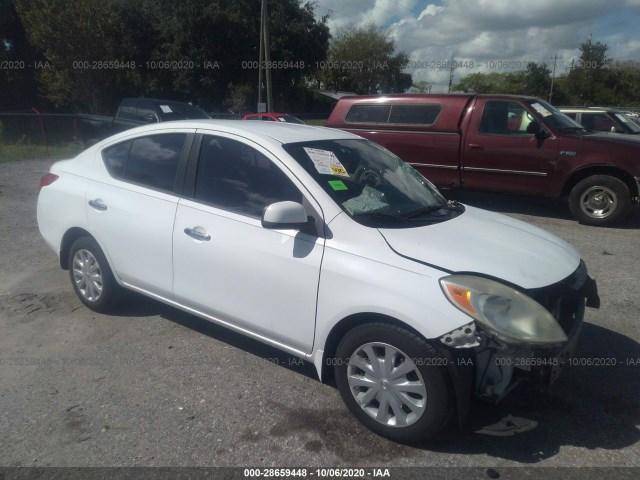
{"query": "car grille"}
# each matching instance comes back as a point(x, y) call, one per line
point(565, 299)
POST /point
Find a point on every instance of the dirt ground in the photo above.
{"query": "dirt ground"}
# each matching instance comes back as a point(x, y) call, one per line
point(152, 386)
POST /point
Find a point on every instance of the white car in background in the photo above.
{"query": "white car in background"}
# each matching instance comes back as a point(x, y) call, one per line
point(326, 246)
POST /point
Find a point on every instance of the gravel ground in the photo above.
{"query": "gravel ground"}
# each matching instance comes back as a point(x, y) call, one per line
point(152, 386)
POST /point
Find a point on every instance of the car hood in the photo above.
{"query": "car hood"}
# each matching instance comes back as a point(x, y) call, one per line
point(618, 138)
point(489, 244)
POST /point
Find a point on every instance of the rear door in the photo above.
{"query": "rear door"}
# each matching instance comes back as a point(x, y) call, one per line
point(226, 264)
point(500, 154)
point(131, 212)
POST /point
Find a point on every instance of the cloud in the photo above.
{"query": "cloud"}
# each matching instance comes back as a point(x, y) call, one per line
point(493, 34)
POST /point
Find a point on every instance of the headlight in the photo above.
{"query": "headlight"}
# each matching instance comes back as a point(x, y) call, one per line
point(511, 315)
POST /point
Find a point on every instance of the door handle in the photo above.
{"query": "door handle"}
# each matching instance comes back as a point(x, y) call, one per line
point(476, 146)
point(197, 234)
point(98, 205)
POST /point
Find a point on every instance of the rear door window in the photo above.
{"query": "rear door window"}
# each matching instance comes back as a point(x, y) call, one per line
point(115, 158)
point(153, 160)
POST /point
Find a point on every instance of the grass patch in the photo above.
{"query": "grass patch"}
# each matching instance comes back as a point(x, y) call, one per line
point(25, 151)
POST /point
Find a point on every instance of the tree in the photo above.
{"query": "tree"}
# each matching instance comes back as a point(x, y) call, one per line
point(587, 77)
point(189, 50)
point(18, 85)
point(72, 36)
point(494, 82)
point(362, 60)
point(537, 80)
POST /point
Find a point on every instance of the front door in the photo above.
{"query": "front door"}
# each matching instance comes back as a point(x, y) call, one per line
point(500, 153)
point(226, 265)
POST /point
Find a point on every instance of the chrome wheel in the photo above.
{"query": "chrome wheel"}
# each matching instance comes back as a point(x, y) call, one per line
point(386, 384)
point(87, 275)
point(598, 202)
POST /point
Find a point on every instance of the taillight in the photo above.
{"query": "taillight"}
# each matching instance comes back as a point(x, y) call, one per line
point(48, 179)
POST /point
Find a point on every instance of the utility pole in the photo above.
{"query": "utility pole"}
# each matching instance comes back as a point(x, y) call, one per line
point(451, 69)
point(265, 56)
point(261, 56)
point(553, 76)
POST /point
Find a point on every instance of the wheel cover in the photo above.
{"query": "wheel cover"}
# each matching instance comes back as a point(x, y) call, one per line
point(386, 384)
point(598, 202)
point(87, 275)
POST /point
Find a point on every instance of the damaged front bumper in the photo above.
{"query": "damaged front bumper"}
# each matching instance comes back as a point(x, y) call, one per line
point(489, 367)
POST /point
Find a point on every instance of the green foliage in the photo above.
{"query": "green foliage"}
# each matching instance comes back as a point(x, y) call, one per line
point(594, 79)
point(362, 60)
point(188, 50)
point(494, 82)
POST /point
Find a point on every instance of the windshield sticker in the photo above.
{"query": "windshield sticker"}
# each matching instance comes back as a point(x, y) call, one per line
point(326, 162)
point(337, 185)
point(282, 119)
point(541, 110)
point(166, 108)
point(622, 118)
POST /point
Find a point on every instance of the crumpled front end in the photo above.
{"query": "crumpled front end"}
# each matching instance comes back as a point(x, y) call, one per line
point(494, 364)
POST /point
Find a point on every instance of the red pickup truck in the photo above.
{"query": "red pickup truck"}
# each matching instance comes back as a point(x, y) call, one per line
point(503, 143)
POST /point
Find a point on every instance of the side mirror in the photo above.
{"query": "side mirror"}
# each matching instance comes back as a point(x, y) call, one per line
point(542, 134)
point(284, 215)
point(615, 129)
point(149, 118)
point(537, 130)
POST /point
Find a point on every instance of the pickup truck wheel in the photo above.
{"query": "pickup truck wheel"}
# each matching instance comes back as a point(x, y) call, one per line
point(91, 276)
point(600, 200)
point(393, 382)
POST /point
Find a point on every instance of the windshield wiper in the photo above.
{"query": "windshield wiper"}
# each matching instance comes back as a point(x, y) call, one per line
point(422, 211)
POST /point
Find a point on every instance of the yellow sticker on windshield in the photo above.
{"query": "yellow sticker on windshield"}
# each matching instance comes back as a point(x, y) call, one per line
point(339, 170)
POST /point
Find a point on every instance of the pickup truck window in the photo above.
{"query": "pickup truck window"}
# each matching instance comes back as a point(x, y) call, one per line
point(555, 118)
point(425, 114)
point(368, 114)
point(415, 114)
point(504, 118)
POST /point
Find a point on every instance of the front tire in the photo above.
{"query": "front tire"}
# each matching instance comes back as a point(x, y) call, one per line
point(393, 382)
point(91, 276)
point(600, 200)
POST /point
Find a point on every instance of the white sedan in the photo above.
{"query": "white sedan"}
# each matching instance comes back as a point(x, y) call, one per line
point(326, 246)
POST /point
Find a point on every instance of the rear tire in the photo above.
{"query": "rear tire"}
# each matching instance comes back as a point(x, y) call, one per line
point(91, 276)
point(393, 382)
point(600, 200)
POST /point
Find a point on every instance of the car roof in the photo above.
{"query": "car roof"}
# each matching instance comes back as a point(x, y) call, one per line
point(588, 109)
point(280, 132)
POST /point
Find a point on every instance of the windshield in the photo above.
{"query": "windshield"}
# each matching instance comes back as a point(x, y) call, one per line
point(628, 122)
point(372, 185)
point(554, 117)
point(290, 119)
point(181, 111)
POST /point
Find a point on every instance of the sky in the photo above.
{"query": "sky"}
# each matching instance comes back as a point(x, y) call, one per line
point(492, 35)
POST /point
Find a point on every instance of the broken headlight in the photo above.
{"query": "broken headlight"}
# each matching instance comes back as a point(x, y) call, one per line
point(509, 314)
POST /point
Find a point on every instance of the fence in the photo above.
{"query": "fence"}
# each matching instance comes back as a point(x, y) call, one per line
point(34, 135)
